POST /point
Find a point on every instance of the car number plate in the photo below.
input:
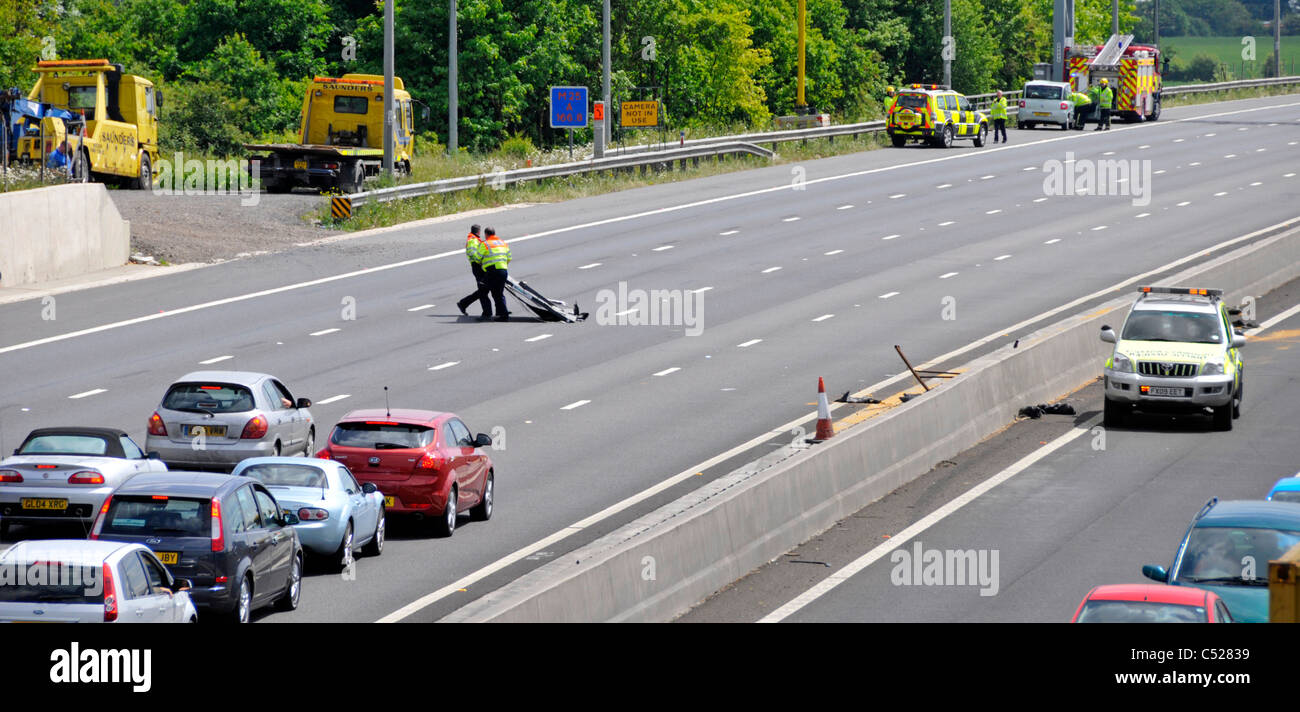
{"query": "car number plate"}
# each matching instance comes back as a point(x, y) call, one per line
point(389, 501)
point(300, 165)
point(44, 503)
point(1042, 113)
point(168, 557)
point(1160, 391)
point(207, 431)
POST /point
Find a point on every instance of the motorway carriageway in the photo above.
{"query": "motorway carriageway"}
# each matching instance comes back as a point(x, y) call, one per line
point(603, 423)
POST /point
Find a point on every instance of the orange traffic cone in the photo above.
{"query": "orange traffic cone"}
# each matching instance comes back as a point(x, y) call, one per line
point(825, 431)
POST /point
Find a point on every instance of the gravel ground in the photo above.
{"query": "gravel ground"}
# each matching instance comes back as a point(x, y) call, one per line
point(211, 228)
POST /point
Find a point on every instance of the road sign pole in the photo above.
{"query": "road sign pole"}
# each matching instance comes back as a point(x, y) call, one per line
point(388, 88)
point(453, 93)
point(605, 62)
point(947, 33)
point(570, 144)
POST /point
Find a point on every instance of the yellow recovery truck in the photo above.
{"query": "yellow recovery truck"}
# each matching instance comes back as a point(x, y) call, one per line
point(109, 119)
point(342, 137)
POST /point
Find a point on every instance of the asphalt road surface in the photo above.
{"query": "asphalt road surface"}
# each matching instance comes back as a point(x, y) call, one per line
point(806, 271)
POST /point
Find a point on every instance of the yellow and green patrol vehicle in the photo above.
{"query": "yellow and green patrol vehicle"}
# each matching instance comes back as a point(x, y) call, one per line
point(341, 142)
point(108, 118)
point(1176, 353)
point(936, 115)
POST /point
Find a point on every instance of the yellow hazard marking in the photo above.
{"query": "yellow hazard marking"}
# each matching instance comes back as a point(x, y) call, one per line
point(341, 207)
point(871, 410)
point(1284, 335)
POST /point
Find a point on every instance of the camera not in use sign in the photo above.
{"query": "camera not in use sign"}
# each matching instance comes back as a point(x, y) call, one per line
point(640, 114)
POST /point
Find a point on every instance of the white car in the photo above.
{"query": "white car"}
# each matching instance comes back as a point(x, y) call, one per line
point(80, 581)
point(1045, 103)
point(65, 474)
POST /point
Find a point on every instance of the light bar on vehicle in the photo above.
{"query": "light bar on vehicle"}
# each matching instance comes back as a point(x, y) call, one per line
point(73, 63)
point(336, 80)
point(1182, 290)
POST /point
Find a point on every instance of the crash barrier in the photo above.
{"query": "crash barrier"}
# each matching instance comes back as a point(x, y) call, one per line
point(633, 157)
point(58, 232)
point(660, 565)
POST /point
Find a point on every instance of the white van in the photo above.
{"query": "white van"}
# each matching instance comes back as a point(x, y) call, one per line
point(1045, 103)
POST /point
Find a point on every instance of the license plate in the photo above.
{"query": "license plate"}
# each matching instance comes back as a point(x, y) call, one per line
point(1042, 113)
point(389, 501)
point(300, 165)
point(1160, 391)
point(43, 503)
point(207, 431)
point(168, 557)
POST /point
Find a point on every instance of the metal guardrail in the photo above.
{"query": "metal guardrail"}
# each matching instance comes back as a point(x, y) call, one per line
point(695, 149)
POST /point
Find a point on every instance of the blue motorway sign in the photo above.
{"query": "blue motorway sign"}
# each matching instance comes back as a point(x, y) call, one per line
point(568, 107)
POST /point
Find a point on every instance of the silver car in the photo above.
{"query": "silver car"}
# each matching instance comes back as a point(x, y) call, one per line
point(210, 420)
point(63, 475)
point(1045, 103)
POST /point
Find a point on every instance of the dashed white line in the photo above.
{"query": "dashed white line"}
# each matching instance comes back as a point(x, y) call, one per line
point(946, 224)
point(1039, 200)
point(1108, 153)
point(747, 344)
point(824, 317)
point(1220, 194)
point(1260, 150)
point(770, 269)
point(1179, 140)
point(539, 337)
point(1231, 155)
point(950, 274)
point(590, 266)
point(995, 211)
point(891, 237)
point(1002, 257)
point(662, 248)
point(897, 196)
point(441, 366)
point(791, 219)
point(1256, 183)
point(701, 290)
point(941, 187)
point(1144, 146)
point(887, 295)
point(1208, 135)
point(625, 312)
point(1194, 163)
point(422, 307)
point(987, 177)
point(1288, 175)
point(332, 399)
point(323, 332)
point(729, 232)
point(218, 359)
point(1052, 241)
point(667, 371)
point(575, 404)
point(1142, 215)
point(845, 207)
point(95, 392)
point(1099, 227)
point(1185, 203)
point(832, 252)
point(1160, 171)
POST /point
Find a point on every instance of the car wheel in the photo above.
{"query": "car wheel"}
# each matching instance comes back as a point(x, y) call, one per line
point(311, 443)
point(1028, 125)
point(1065, 126)
point(1155, 110)
point(1238, 397)
point(445, 525)
point(243, 602)
point(376, 545)
point(1223, 417)
point(343, 555)
point(483, 510)
point(4, 529)
point(946, 139)
point(982, 136)
point(1113, 414)
point(293, 593)
point(898, 141)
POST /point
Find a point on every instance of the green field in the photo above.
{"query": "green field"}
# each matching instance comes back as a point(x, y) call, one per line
point(1228, 50)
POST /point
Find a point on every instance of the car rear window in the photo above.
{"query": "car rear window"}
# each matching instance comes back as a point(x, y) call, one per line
point(912, 101)
point(351, 105)
point(53, 582)
point(158, 515)
point(1186, 327)
point(286, 475)
point(209, 398)
point(65, 445)
point(381, 435)
point(1042, 92)
point(1140, 612)
point(1286, 496)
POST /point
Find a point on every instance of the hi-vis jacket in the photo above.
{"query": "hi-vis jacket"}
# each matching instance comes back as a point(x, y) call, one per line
point(498, 253)
point(475, 250)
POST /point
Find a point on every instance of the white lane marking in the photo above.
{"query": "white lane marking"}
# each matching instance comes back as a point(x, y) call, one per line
point(1288, 175)
point(218, 359)
point(700, 290)
point(539, 337)
point(323, 332)
point(729, 232)
point(1241, 128)
point(1209, 135)
point(747, 344)
point(441, 366)
point(584, 226)
point(575, 404)
point(1274, 320)
point(1231, 155)
point(891, 237)
point(1001, 257)
point(1141, 215)
point(824, 317)
point(1256, 183)
point(1292, 143)
point(1052, 241)
point(625, 312)
point(950, 274)
point(1159, 172)
point(1260, 150)
point(1220, 194)
point(667, 371)
point(1185, 203)
point(662, 248)
point(1179, 140)
point(1099, 227)
point(770, 269)
point(590, 266)
point(987, 177)
point(887, 295)
point(1194, 163)
point(1122, 180)
point(941, 187)
point(946, 224)
point(333, 399)
point(540, 545)
point(832, 252)
point(845, 207)
point(897, 196)
point(1039, 200)
point(791, 219)
point(84, 394)
point(1029, 168)
point(422, 307)
point(849, 571)
point(995, 211)
point(1108, 153)
point(1144, 146)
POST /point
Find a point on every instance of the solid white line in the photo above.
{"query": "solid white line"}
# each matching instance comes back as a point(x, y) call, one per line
point(334, 399)
point(770, 269)
point(539, 337)
point(218, 359)
point(995, 211)
point(891, 237)
point(950, 274)
point(662, 248)
point(1274, 320)
point(95, 392)
point(832, 252)
point(575, 404)
point(845, 207)
point(887, 295)
point(849, 571)
point(667, 371)
point(747, 344)
point(593, 264)
point(441, 366)
point(729, 232)
point(824, 317)
point(422, 307)
point(791, 219)
point(1002, 257)
point(323, 332)
point(1052, 241)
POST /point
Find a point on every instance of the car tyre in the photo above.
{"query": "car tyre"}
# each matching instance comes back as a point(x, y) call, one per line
point(375, 546)
point(946, 139)
point(243, 602)
point(1113, 415)
point(1238, 397)
point(1223, 417)
point(982, 137)
point(343, 555)
point(483, 510)
point(311, 443)
point(445, 526)
point(145, 179)
point(898, 141)
point(4, 529)
point(293, 592)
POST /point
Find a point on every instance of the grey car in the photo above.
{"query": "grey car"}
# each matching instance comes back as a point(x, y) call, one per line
point(210, 420)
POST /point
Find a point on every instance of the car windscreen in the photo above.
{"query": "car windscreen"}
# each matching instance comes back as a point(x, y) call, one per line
point(1039, 91)
point(52, 581)
point(1233, 555)
point(912, 101)
point(382, 436)
point(1181, 326)
point(278, 475)
point(1286, 496)
point(1139, 612)
point(209, 398)
point(91, 445)
point(158, 515)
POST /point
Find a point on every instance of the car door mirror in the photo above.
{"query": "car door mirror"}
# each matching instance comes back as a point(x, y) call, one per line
point(1108, 335)
point(1238, 340)
point(1156, 573)
point(289, 518)
point(181, 584)
point(304, 402)
point(369, 488)
point(154, 455)
point(483, 440)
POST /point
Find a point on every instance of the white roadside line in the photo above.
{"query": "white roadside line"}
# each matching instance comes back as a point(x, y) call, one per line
point(857, 565)
point(333, 399)
point(598, 223)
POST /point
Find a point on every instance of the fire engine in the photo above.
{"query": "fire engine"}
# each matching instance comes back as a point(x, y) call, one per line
point(1132, 71)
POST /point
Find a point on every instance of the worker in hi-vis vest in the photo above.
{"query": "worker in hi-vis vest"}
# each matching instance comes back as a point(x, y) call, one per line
point(998, 112)
point(1082, 107)
point(475, 251)
point(495, 263)
point(1105, 98)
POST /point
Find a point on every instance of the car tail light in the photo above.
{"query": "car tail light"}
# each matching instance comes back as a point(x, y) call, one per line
point(312, 514)
point(156, 426)
point(330, 166)
point(11, 476)
point(1022, 103)
point(99, 518)
point(86, 477)
point(1064, 105)
point(429, 462)
point(110, 596)
point(255, 429)
point(218, 533)
point(325, 454)
point(223, 579)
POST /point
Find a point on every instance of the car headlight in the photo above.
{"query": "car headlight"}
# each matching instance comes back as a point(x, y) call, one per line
point(1121, 363)
point(1212, 368)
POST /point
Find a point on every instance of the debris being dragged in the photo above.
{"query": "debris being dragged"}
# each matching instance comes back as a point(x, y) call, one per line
point(546, 309)
point(846, 398)
point(1037, 411)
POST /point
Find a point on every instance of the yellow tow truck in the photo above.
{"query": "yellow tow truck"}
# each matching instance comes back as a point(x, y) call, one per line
point(341, 142)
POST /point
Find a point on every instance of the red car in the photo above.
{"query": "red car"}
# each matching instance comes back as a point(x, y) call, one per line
point(425, 463)
point(1151, 603)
